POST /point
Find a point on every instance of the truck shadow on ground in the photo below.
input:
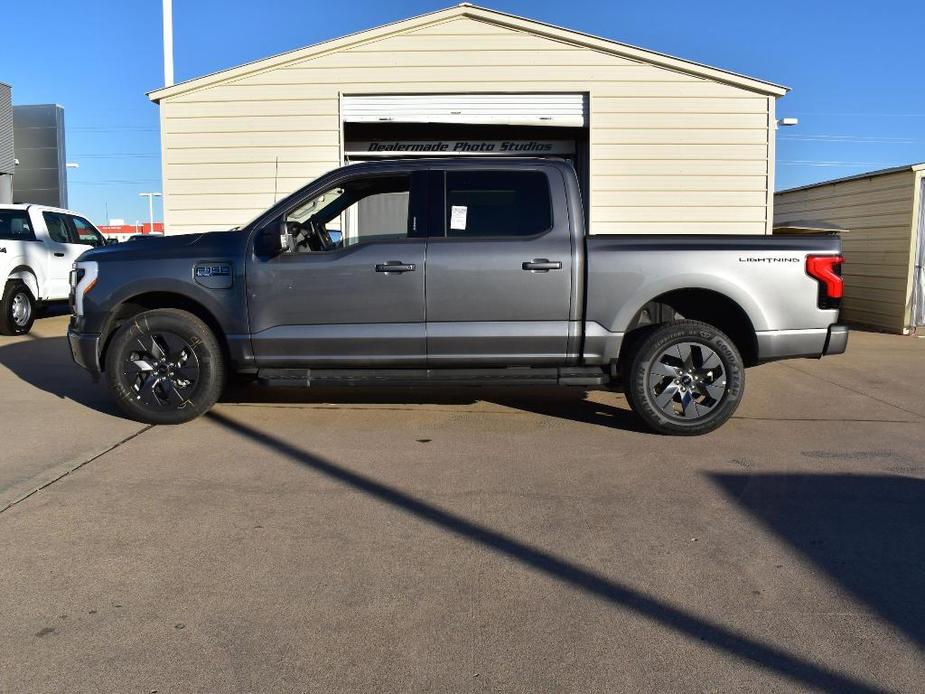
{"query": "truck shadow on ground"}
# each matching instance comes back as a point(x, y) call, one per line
point(721, 638)
point(572, 404)
point(46, 364)
point(866, 532)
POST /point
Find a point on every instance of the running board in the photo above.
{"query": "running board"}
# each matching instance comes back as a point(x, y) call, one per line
point(567, 376)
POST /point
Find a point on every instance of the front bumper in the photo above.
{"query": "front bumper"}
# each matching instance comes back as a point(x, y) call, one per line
point(85, 351)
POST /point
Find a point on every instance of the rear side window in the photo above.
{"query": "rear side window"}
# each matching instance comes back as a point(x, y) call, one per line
point(497, 203)
point(57, 227)
point(15, 226)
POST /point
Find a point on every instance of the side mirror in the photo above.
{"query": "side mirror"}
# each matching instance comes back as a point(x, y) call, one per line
point(269, 243)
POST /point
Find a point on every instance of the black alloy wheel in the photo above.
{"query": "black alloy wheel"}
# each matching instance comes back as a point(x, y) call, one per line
point(685, 378)
point(164, 367)
point(163, 371)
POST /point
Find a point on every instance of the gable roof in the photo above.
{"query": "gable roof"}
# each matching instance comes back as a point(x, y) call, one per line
point(485, 15)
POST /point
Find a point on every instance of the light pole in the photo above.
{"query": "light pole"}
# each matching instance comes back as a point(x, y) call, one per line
point(150, 197)
point(168, 42)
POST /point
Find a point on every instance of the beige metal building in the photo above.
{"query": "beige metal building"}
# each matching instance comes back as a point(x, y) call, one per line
point(884, 243)
point(661, 145)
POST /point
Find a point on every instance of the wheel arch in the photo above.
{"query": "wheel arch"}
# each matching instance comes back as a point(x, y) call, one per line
point(25, 274)
point(694, 303)
point(151, 300)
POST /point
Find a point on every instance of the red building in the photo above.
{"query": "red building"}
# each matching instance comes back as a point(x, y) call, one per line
point(145, 228)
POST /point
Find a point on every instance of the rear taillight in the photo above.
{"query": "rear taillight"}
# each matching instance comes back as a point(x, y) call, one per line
point(826, 270)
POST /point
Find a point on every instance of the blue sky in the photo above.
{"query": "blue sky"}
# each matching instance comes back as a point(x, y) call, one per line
point(855, 69)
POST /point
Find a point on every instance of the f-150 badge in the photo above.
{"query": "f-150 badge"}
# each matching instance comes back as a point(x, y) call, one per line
point(212, 270)
point(213, 275)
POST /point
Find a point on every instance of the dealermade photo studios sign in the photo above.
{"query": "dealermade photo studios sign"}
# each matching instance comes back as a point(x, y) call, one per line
point(459, 147)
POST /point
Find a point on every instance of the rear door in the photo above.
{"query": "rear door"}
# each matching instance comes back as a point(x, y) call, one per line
point(499, 271)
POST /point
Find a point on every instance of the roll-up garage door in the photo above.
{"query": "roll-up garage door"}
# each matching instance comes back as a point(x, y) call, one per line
point(563, 110)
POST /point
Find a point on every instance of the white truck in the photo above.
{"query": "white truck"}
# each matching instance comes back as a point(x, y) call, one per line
point(38, 246)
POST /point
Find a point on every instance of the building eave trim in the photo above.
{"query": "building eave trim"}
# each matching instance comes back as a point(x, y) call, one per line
point(532, 26)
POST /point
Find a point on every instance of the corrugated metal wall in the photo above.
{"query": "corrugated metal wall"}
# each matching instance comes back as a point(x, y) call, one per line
point(670, 152)
point(41, 176)
point(7, 157)
point(878, 213)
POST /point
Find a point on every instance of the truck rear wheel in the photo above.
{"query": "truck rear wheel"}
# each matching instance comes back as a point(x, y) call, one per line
point(685, 378)
point(17, 309)
point(165, 367)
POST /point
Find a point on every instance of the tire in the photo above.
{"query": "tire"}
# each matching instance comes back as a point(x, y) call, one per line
point(165, 367)
point(17, 309)
point(673, 385)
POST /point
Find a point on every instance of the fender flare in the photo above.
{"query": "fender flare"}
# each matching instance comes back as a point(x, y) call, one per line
point(27, 275)
point(194, 303)
point(650, 292)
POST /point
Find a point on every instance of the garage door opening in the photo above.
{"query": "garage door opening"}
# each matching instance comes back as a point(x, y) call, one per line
point(463, 125)
point(375, 141)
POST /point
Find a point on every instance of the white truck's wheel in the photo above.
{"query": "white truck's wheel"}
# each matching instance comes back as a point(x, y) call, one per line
point(17, 309)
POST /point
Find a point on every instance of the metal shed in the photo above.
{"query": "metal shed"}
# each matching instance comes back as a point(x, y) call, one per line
point(885, 244)
point(662, 145)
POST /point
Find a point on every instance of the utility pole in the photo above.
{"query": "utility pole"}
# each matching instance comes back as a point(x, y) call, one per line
point(168, 43)
point(150, 197)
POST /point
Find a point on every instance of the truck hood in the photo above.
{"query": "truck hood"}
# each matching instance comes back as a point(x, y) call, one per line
point(212, 243)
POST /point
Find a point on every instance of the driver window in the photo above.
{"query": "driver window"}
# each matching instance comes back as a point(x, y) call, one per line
point(359, 211)
point(87, 233)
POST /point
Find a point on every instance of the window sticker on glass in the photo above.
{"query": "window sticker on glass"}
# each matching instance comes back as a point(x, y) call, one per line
point(458, 217)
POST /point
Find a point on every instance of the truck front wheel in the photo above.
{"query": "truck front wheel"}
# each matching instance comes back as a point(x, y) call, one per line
point(685, 378)
point(164, 367)
point(17, 309)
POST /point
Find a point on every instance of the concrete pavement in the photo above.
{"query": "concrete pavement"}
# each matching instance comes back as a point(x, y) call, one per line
point(52, 417)
point(466, 540)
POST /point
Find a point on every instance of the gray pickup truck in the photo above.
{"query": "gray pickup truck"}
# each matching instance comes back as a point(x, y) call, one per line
point(451, 271)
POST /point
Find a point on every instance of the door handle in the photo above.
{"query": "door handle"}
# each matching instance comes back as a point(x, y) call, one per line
point(541, 265)
point(3, 250)
point(395, 266)
point(59, 255)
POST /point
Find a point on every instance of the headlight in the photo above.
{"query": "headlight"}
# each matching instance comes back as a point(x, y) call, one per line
point(82, 279)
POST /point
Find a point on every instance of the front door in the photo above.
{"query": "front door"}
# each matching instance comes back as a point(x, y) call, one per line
point(350, 291)
point(84, 233)
point(499, 273)
point(63, 250)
